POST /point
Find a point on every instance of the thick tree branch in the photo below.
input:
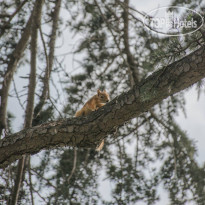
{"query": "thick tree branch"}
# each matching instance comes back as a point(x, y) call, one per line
point(89, 131)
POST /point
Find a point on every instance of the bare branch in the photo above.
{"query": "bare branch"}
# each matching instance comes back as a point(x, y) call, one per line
point(74, 164)
point(114, 37)
point(53, 104)
point(48, 181)
point(17, 10)
point(44, 47)
point(49, 59)
point(32, 78)
point(14, 58)
point(30, 181)
point(17, 95)
point(19, 177)
point(6, 24)
point(133, 67)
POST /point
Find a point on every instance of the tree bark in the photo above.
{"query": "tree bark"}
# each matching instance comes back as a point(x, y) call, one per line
point(89, 131)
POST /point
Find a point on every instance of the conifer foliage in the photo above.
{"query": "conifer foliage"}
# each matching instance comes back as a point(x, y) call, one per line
point(113, 50)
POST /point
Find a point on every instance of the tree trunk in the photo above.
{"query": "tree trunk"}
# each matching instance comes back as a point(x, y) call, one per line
point(36, 20)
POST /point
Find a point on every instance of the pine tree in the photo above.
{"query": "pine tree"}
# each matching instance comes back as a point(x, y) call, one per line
point(116, 52)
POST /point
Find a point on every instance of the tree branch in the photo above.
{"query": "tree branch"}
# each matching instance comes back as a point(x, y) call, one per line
point(30, 181)
point(36, 20)
point(49, 59)
point(89, 131)
point(133, 76)
point(14, 58)
point(6, 24)
point(133, 70)
point(19, 177)
point(74, 165)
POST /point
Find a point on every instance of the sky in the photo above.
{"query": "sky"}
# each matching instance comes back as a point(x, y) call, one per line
point(193, 123)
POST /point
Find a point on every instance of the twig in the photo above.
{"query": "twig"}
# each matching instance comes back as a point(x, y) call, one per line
point(11, 17)
point(172, 133)
point(44, 47)
point(130, 59)
point(47, 180)
point(55, 107)
point(30, 180)
point(17, 95)
point(114, 37)
point(74, 165)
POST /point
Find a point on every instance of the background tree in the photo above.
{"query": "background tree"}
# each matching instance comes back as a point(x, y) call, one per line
point(117, 53)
